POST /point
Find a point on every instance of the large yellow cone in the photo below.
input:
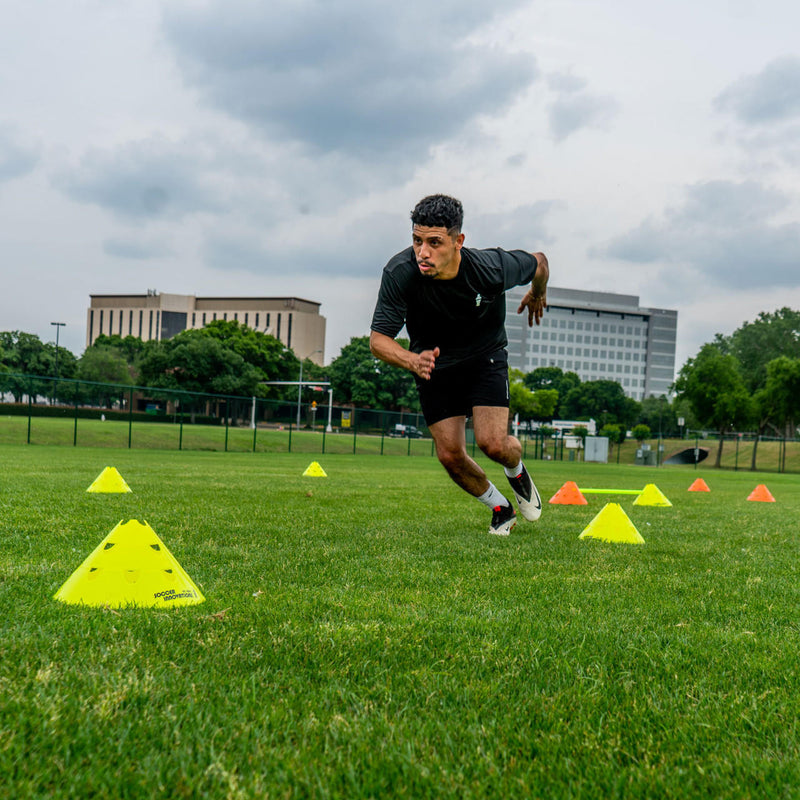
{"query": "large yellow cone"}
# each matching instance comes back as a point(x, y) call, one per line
point(651, 496)
point(612, 525)
point(130, 567)
point(314, 470)
point(109, 481)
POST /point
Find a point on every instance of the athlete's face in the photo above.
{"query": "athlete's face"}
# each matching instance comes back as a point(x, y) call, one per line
point(438, 253)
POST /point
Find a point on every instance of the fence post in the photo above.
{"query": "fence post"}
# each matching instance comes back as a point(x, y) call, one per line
point(180, 431)
point(75, 427)
point(30, 411)
point(130, 417)
point(255, 423)
point(353, 416)
point(290, 436)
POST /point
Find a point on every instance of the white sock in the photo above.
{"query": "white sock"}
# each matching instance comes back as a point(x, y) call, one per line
point(493, 497)
point(512, 472)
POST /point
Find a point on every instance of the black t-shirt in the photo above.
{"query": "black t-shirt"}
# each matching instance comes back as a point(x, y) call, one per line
point(465, 316)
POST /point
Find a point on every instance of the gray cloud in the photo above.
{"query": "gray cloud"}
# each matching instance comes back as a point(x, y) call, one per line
point(136, 249)
point(146, 180)
point(723, 234)
point(17, 156)
point(357, 77)
point(575, 110)
point(772, 95)
point(523, 228)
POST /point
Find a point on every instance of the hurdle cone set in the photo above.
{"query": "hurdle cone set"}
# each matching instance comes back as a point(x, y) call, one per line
point(130, 567)
point(612, 524)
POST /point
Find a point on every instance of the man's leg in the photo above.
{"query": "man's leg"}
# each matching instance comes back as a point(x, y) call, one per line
point(451, 449)
point(491, 435)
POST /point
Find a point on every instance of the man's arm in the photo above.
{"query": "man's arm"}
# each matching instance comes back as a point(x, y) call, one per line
point(535, 299)
point(387, 349)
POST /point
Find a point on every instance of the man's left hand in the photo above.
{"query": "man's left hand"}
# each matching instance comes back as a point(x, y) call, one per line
point(535, 303)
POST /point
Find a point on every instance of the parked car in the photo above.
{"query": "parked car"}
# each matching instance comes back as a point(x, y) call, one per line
point(407, 431)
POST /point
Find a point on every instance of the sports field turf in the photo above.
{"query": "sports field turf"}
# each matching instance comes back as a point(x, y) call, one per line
point(363, 636)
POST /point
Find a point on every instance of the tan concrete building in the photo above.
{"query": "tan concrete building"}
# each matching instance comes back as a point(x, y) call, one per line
point(294, 321)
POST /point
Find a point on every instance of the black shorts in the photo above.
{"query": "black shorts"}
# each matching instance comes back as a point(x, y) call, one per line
point(455, 391)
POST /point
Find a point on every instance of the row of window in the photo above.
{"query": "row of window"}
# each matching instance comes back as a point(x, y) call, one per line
point(598, 327)
point(637, 344)
point(586, 352)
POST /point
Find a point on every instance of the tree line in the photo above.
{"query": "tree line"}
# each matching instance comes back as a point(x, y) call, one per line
point(747, 381)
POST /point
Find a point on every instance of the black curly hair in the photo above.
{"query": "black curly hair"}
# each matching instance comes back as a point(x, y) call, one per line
point(439, 211)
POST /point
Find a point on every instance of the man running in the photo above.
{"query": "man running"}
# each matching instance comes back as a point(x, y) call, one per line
point(451, 300)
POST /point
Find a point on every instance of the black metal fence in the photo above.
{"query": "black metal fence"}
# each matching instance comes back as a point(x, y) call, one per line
point(42, 410)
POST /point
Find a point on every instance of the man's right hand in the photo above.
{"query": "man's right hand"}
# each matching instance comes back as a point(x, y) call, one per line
point(426, 361)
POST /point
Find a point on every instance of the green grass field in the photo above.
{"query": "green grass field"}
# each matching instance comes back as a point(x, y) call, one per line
point(363, 636)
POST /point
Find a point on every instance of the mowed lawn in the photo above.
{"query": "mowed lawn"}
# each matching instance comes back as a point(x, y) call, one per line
point(363, 636)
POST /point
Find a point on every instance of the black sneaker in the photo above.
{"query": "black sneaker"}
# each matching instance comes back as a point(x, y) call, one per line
point(528, 500)
point(504, 518)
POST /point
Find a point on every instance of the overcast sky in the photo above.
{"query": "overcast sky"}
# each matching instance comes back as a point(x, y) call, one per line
point(235, 147)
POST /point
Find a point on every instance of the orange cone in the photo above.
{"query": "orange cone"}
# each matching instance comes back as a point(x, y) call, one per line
point(699, 486)
point(569, 495)
point(761, 494)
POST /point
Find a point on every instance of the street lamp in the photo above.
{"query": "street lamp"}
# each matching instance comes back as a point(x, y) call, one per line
point(300, 386)
point(59, 326)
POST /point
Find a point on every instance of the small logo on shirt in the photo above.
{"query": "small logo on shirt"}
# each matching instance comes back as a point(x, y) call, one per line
point(478, 299)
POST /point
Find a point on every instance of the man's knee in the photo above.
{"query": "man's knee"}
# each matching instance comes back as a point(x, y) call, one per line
point(500, 448)
point(452, 459)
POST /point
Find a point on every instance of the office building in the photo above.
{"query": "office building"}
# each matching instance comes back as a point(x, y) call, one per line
point(599, 336)
point(294, 321)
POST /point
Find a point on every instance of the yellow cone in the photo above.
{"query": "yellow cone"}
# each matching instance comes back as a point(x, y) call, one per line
point(130, 567)
point(612, 525)
point(109, 481)
point(314, 470)
point(651, 496)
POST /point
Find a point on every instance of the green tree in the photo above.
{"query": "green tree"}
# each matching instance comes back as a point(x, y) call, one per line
point(715, 389)
point(359, 378)
point(783, 390)
point(601, 400)
point(551, 378)
point(273, 360)
point(641, 433)
point(198, 364)
point(658, 414)
point(129, 347)
point(756, 343)
point(101, 365)
point(26, 354)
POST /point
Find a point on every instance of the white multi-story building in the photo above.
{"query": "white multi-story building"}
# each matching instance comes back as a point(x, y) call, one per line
point(599, 336)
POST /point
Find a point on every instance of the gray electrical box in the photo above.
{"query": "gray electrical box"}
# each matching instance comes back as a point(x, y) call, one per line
point(596, 449)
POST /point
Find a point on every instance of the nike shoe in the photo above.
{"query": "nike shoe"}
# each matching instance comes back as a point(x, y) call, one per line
point(504, 518)
point(528, 500)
